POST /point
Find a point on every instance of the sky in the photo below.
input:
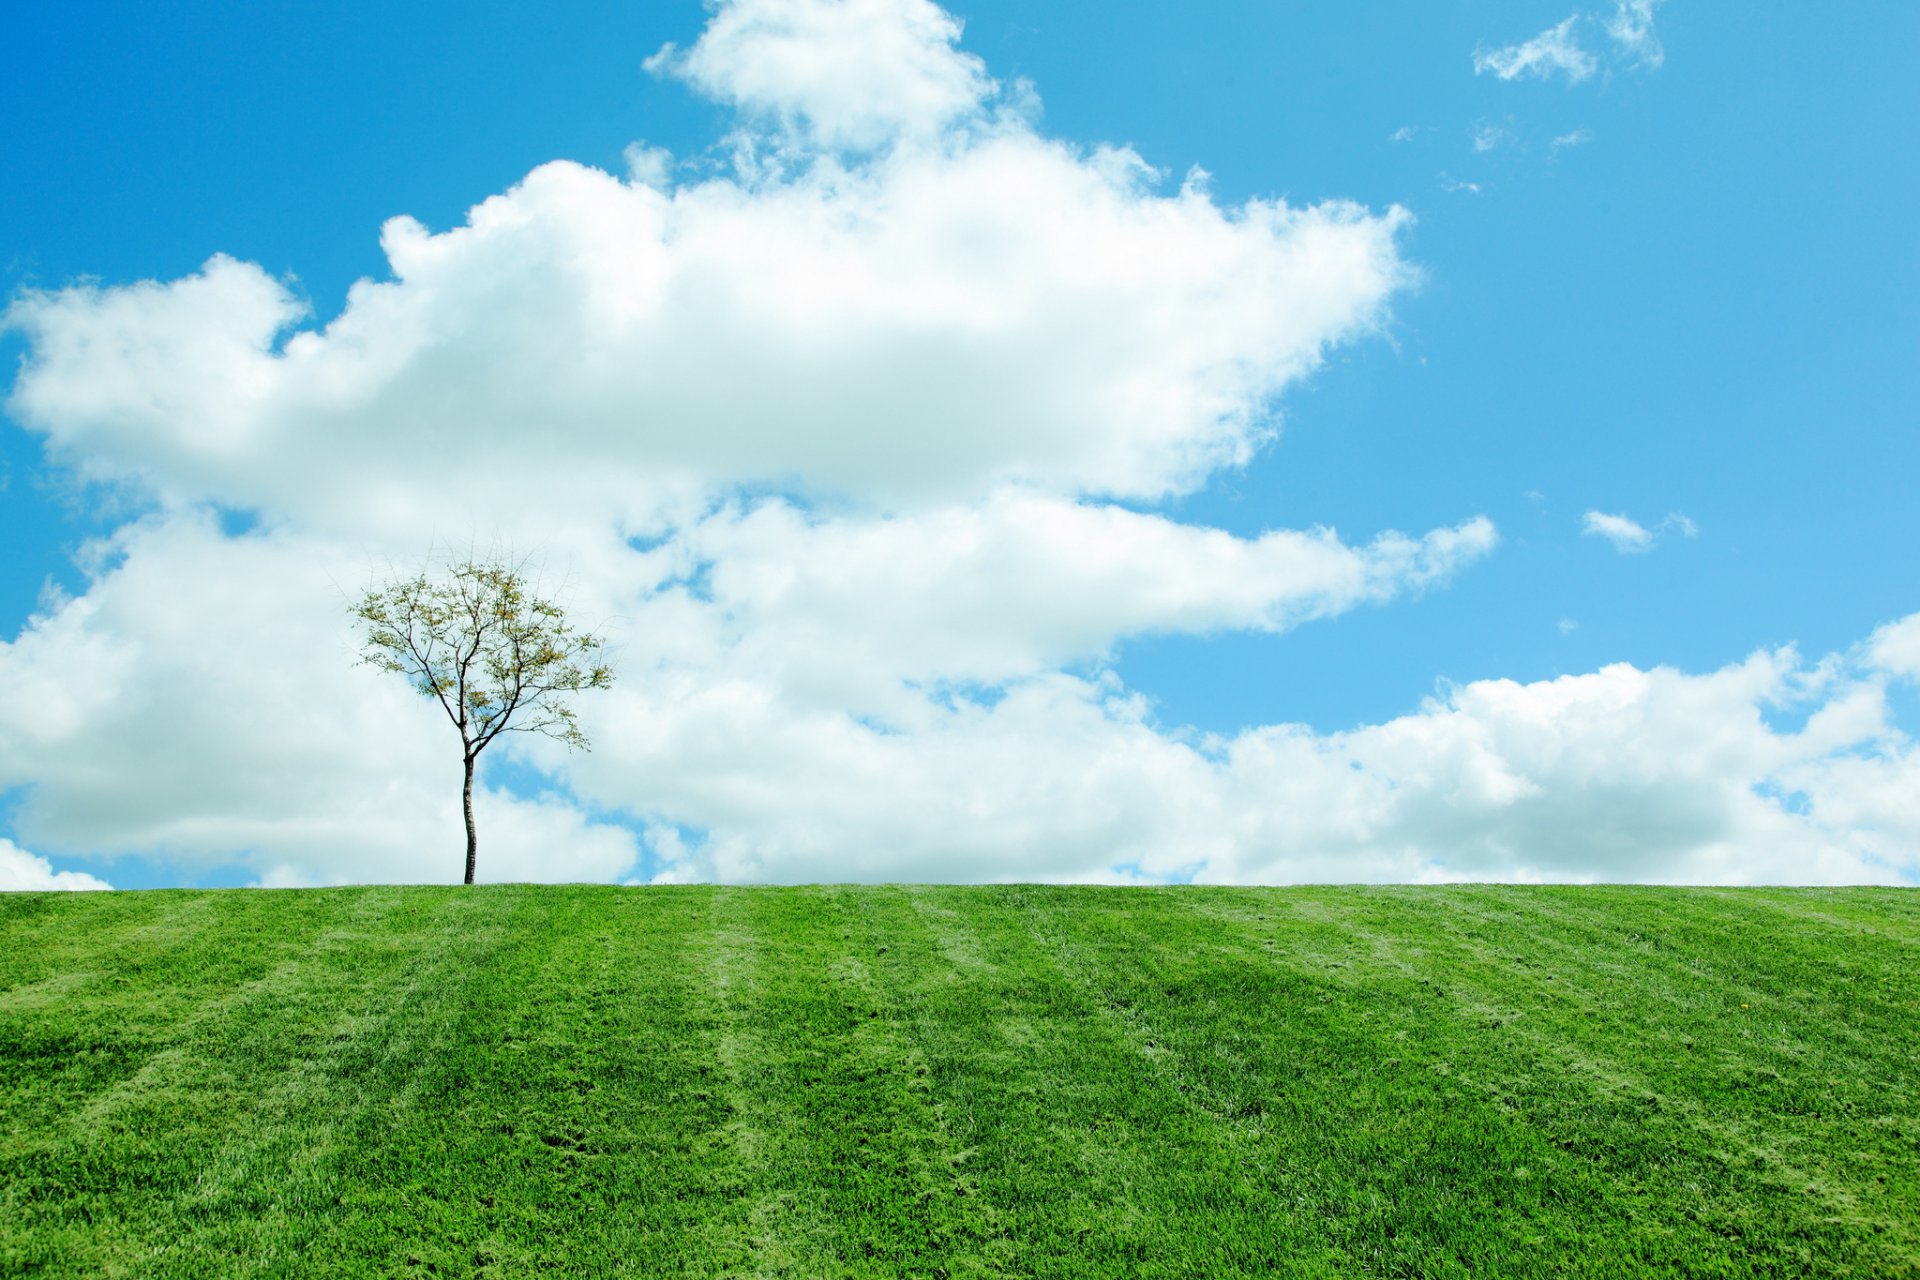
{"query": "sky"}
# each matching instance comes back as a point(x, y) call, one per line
point(1219, 443)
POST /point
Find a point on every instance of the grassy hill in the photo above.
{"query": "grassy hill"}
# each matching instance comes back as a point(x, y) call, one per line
point(961, 1082)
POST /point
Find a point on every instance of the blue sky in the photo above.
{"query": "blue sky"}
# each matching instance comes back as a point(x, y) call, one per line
point(1675, 285)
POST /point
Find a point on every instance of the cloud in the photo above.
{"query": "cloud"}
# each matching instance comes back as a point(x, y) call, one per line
point(1575, 138)
point(1621, 774)
point(1895, 648)
point(200, 699)
point(1631, 28)
point(838, 73)
point(1629, 536)
point(927, 327)
point(1555, 50)
point(764, 729)
point(21, 871)
point(1625, 535)
point(1017, 586)
point(1485, 137)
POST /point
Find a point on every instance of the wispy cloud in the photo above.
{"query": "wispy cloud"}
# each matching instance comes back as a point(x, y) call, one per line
point(1485, 137)
point(1626, 535)
point(1577, 138)
point(1631, 28)
point(1558, 50)
point(1629, 536)
point(1554, 50)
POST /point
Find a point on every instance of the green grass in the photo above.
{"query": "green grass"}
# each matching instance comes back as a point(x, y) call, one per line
point(961, 1082)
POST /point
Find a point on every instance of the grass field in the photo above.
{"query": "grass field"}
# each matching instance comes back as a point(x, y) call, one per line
point(961, 1082)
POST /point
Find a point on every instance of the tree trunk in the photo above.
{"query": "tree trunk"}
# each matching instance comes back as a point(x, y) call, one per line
point(466, 801)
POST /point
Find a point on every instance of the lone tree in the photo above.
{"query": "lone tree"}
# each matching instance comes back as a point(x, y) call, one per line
point(496, 657)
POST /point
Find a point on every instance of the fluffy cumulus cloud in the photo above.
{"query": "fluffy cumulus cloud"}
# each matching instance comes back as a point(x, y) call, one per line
point(846, 73)
point(1014, 587)
point(1895, 648)
point(21, 871)
point(930, 325)
point(965, 306)
point(1620, 774)
point(201, 700)
point(856, 446)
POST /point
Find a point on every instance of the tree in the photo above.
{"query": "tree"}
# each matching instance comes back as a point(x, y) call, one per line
point(496, 657)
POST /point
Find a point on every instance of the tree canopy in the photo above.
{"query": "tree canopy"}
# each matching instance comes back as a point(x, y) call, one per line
point(497, 658)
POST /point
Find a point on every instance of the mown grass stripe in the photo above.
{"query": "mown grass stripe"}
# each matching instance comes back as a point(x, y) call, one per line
point(1126, 1178)
point(843, 1150)
point(567, 1126)
point(1270, 1054)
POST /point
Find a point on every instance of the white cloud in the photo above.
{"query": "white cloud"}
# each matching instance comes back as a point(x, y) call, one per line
point(200, 699)
point(1554, 50)
point(1576, 138)
point(1557, 50)
point(1622, 774)
point(842, 73)
point(649, 166)
point(21, 871)
point(1631, 28)
point(1895, 648)
point(1485, 137)
point(927, 327)
point(1625, 534)
point(1014, 587)
point(765, 726)
point(1631, 537)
